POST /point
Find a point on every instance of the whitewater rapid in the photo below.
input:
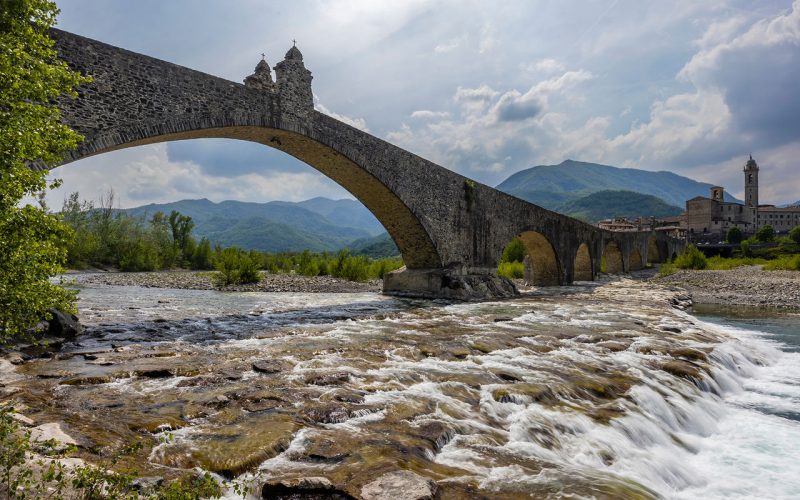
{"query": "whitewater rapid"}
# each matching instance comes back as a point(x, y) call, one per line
point(597, 390)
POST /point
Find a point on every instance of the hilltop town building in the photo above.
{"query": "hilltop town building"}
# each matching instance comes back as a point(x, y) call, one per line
point(710, 218)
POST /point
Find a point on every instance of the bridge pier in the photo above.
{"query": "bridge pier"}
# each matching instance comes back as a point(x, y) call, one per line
point(448, 284)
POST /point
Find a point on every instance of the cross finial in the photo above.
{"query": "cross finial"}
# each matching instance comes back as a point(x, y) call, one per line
point(294, 42)
point(263, 56)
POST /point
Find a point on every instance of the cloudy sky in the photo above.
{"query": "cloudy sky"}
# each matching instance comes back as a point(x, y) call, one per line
point(483, 88)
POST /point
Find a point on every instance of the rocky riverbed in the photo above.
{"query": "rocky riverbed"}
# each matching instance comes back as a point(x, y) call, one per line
point(748, 286)
point(194, 280)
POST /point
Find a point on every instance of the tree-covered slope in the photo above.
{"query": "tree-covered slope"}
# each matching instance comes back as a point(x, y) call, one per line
point(607, 204)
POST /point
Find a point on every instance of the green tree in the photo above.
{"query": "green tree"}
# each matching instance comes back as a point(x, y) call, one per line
point(765, 234)
point(734, 235)
point(794, 234)
point(201, 258)
point(32, 241)
point(182, 226)
point(514, 252)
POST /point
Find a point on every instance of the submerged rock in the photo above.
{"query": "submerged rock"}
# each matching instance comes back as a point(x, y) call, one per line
point(269, 366)
point(399, 485)
point(53, 431)
point(305, 488)
point(336, 378)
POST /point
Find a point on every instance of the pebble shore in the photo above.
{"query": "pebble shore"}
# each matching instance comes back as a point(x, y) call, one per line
point(193, 280)
point(746, 286)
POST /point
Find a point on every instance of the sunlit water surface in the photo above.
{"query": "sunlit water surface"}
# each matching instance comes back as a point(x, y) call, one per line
point(589, 390)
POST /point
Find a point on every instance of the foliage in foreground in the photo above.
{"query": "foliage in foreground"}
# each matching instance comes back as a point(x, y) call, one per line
point(31, 470)
point(32, 241)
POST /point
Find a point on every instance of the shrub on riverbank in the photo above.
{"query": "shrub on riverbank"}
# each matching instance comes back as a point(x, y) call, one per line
point(691, 258)
point(341, 265)
point(236, 267)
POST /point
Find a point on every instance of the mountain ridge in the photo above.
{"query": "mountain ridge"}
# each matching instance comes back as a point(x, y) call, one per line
point(554, 185)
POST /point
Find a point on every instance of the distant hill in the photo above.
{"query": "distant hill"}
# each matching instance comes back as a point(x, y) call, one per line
point(319, 224)
point(552, 186)
point(376, 247)
point(607, 204)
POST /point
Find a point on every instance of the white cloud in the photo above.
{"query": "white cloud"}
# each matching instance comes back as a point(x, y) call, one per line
point(548, 66)
point(425, 114)
point(449, 45)
point(358, 123)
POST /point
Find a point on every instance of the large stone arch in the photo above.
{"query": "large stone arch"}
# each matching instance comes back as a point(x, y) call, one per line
point(321, 153)
point(582, 267)
point(612, 256)
point(542, 266)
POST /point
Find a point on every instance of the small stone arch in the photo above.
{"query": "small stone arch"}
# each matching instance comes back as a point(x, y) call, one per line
point(654, 251)
point(612, 257)
point(582, 268)
point(542, 266)
point(635, 260)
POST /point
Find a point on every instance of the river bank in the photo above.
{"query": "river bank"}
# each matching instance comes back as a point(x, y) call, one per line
point(744, 286)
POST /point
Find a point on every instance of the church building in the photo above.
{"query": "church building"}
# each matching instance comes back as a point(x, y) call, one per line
point(710, 218)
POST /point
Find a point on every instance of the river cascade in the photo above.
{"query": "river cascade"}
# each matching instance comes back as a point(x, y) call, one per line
point(595, 390)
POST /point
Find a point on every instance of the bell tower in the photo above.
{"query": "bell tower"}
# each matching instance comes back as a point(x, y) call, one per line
point(751, 194)
point(751, 183)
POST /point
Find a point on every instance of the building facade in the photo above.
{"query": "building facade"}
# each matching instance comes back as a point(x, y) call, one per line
point(710, 218)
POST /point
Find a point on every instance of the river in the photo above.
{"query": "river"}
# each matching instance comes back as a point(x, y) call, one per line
point(599, 390)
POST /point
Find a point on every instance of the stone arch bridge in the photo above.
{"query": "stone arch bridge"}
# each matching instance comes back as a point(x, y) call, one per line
point(450, 229)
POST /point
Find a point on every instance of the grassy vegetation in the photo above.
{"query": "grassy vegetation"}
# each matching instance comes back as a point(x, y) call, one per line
point(511, 270)
point(784, 262)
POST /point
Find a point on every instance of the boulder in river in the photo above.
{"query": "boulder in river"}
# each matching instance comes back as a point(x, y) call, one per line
point(399, 485)
point(63, 325)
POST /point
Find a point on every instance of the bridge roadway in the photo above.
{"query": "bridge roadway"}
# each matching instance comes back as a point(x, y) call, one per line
point(450, 229)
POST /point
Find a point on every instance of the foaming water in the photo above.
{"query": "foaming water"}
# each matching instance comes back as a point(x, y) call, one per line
point(599, 390)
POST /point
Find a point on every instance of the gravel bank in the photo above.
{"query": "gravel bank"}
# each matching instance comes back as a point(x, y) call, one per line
point(194, 280)
point(748, 285)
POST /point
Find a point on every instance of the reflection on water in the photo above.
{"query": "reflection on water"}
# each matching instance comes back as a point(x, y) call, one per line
point(588, 390)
